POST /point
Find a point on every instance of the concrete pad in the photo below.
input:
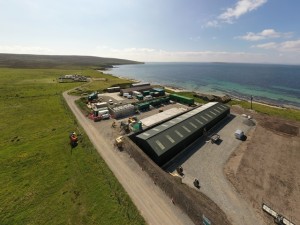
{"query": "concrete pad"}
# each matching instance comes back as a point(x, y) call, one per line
point(114, 95)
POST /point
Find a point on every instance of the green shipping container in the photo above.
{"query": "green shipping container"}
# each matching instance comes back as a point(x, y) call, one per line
point(140, 97)
point(146, 93)
point(143, 106)
point(160, 91)
point(155, 102)
point(182, 99)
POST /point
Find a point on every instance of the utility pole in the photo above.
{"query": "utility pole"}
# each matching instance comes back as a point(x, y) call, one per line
point(251, 101)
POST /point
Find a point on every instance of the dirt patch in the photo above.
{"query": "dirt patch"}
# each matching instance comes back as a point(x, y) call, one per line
point(265, 168)
point(281, 127)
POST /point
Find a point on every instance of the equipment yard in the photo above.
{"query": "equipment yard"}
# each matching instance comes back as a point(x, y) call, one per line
point(238, 172)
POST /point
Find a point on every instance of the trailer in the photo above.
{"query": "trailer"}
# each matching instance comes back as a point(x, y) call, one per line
point(278, 218)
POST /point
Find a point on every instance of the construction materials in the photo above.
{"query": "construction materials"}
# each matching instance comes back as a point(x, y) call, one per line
point(122, 111)
point(278, 218)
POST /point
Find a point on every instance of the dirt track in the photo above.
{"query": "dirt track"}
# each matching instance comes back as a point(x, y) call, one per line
point(153, 204)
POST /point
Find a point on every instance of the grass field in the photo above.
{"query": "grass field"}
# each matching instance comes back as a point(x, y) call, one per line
point(42, 180)
point(291, 114)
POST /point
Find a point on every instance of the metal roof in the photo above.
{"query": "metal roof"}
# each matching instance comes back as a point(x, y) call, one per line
point(161, 116)
point(165, 136)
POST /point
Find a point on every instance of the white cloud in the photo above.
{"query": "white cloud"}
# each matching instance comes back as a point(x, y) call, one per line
point(25, 49)
point(159, 55)
point(290, 46)
point(241, 7)
point(265, 34)
point(291, 50)
point(269, 45)
point(213, 23)
point(287, 46)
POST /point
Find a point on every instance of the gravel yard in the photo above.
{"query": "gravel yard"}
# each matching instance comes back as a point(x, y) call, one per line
point(205, 161)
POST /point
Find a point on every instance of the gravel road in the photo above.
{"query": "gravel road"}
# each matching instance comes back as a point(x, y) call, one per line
point(152, 203)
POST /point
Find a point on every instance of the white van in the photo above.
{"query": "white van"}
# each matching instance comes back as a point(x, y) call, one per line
point(239, 134)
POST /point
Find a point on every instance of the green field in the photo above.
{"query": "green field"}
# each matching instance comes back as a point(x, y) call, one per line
point(44, 181)
point(291, 114)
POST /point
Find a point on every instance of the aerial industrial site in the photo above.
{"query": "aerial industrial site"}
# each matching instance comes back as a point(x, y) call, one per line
point(206, 158)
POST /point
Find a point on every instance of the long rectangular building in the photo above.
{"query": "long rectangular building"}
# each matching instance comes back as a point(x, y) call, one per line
point(164, 141)
point(138, 88)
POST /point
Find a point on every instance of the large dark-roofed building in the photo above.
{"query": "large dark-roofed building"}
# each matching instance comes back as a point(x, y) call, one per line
point(162, 142)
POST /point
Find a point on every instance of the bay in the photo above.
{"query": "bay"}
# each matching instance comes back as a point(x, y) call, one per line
point(274, 84)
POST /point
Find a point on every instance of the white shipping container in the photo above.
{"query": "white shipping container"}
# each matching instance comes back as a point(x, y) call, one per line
point(101, 109)
point(101, 104)
point(135, 93)
point(102, 112)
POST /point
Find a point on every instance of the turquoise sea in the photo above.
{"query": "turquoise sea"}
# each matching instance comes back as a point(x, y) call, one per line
point(275, 84)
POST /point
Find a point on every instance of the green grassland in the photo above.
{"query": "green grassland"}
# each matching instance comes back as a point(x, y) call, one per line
point(291, 114)
point(43, 180)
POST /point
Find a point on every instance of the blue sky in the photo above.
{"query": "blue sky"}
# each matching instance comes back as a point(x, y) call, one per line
point(259, 31)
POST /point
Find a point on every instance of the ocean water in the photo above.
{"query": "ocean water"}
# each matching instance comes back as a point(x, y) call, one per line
point(275, 84)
